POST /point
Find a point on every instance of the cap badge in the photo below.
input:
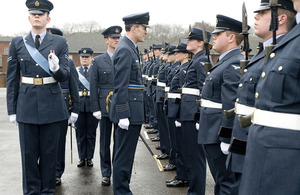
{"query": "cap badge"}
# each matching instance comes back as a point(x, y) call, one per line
point(117, 31)
point(37, 3)
point(217, 21)
point(84, 51)
point(49, 31)
point(190, 33)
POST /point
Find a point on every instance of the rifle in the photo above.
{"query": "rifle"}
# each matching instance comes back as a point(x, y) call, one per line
point(273, 27)
point(207, 64)
point(153, 48)
point(243, 63)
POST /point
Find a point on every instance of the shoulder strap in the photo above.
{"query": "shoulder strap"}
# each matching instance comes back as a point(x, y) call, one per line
point(38, 57)
point(83, 80)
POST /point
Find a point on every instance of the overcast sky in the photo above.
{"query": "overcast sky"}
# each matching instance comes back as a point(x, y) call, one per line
point(14, 13)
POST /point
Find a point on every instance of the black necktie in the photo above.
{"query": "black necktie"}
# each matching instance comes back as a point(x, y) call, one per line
point(37, 41)
point(85, 71)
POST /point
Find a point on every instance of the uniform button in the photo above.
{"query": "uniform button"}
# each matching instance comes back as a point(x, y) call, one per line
point(37, 64)
point(237, 99)
point(210, 78)
point(272, 55)
point(200, 95)
point(37, 76)
point(280, 68)
point(256, 95)
point(240, 85)
point(250, 79)
point(104, 72)
point(245, 70)
point(263, 75)
point(21, 59)
point(208, 73)
point(134, 99)
point(203, 83)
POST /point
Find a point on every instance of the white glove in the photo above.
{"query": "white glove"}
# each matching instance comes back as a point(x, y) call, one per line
point(177, 124)
point(124, 123)
point(97, 115)
point(197, 126)
point(53, 62)
point(13, 119)
point(73, 118)
point(224, 148)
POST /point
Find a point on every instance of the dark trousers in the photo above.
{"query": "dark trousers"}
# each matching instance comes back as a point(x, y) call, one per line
point(105, 139)
point(181, 154)
point(146, 107)
point(152, 112)
point(86, 126)
point(39, 145)
point(163, 129)
point(196, 159)
point(61, 153)
point(125, 146)
point(224, 178)
point(172, 138)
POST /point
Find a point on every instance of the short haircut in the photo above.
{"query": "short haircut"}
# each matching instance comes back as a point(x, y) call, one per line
point(238, 37)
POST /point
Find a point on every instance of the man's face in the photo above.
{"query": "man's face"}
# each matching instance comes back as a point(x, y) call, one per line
point(171, 58)
point(86, 61)
point(261, 24)
point(179, 56)
point(220, 42)
point(112, 42)
point(297, 5)
point(140, 32)
point(39, 21)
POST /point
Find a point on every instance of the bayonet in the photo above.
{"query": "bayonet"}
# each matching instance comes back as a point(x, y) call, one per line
point(273, 27)
point(207, 64)
point(243, 63)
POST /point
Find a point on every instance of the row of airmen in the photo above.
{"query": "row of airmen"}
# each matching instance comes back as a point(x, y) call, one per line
point(189, 108)
point(190, 134)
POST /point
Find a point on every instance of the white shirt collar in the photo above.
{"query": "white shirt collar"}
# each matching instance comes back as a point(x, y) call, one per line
point(269, 41)
point(298, 17)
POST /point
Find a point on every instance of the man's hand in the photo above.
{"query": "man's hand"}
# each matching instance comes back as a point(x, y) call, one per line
point(53, 62)
point(97, 115)
point(124, 123)
point(197, 126)
point(13, 119)
point(177, 124)
point(224, 148)
point(73, 118)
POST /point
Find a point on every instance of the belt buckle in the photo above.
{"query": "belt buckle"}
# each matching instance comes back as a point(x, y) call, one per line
point(84, 93)
point(38, 81)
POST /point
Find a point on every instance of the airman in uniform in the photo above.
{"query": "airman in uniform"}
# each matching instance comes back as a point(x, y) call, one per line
point(273, 152)
point(37, 63)
point(219, 94)
point(253, 71)
point(87, 124)
point(127, 111)
point(101, 90)
point(195, 75)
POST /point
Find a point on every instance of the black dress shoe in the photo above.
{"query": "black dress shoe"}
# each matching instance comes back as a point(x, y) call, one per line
point(105, 181)
point(178, 183)
point(148, 127)
point(81, 163)
point(169, 167)
point(162, 156)
point(152, 131)
point(155, 139)
point(58, 181)
point(170, 180)
point(90, 163)
point(157, 147)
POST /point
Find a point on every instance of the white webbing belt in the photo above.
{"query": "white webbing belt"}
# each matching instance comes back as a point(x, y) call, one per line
point(276, 119)
point(38, 81)
point(167, 89)
point(161, 84)
point(190, 91)
point(210, 104)
point(174, 95)
point(243, 109)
